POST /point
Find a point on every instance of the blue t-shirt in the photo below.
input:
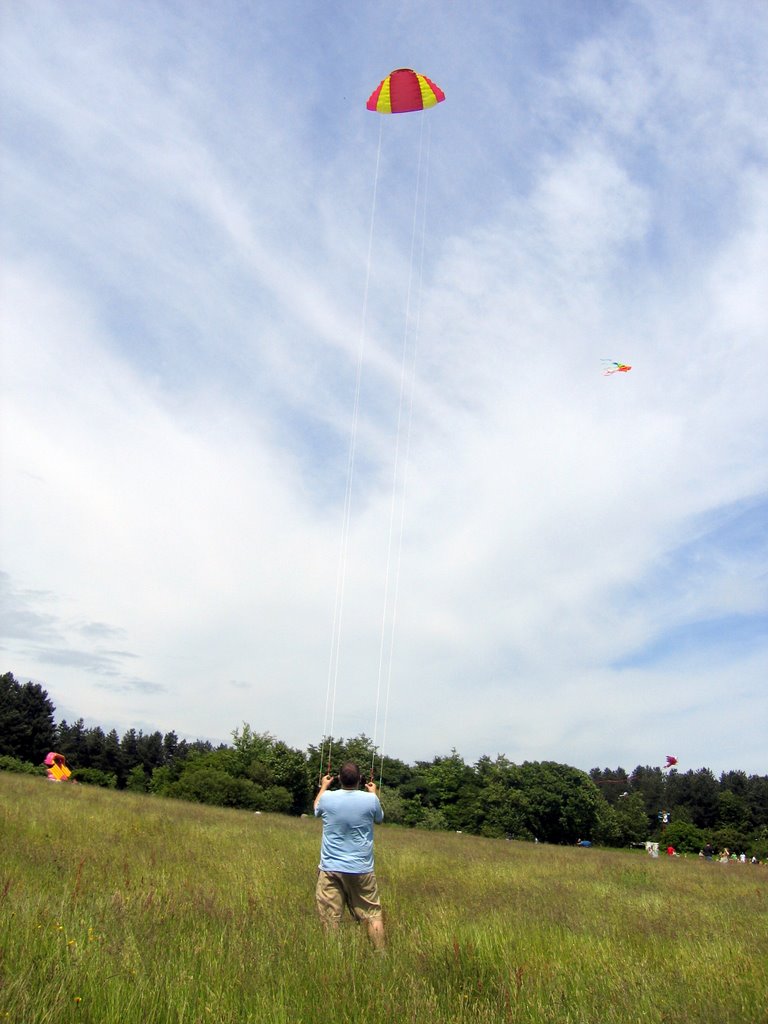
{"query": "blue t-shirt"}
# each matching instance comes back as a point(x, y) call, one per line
point(348, 816)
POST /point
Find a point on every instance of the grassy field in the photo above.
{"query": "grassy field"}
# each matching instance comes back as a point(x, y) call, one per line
point(124, 909)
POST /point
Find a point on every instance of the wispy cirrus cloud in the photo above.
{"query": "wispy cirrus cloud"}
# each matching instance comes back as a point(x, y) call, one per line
point(45, 638)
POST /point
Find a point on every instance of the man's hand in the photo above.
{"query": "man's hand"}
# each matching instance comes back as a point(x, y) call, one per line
point(324, 784)
point(371, 787)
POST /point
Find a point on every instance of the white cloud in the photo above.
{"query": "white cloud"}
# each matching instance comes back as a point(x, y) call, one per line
point(181, 326)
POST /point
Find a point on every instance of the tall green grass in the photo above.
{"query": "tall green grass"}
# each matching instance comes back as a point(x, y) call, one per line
point(124, 909)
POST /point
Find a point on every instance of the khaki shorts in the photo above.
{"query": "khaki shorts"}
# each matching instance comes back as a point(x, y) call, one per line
point(359, 893)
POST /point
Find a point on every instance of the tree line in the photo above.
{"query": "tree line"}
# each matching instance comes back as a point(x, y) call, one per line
point(537, 800)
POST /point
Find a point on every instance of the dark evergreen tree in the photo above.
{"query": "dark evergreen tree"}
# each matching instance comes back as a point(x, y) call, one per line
point(129, 748)
point(703, 799)
point(111, 757)
point(95, 746)
point(171, 748)
point(71, 741)
point(733, 811)
point(11, 721)
point(613, 783)
point(757, 800)
point(735, 782)
point(39, 713)
point(650, 784)
point(27, 725)
point(150, 751)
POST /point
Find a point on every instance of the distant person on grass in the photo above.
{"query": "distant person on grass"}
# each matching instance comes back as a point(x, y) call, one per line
point(345, 876)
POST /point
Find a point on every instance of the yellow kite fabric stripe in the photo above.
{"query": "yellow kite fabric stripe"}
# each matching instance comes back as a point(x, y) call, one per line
point(428, 96)
point(384, 101)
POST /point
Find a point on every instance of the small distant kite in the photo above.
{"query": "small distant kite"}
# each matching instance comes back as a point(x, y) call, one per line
point(57, 768)
point(613, 367)
point(671, 761)
point(403, 91)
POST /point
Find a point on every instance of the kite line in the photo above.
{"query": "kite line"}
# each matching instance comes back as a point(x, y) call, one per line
point(402, 91)
point(341, 574)
point(403, 439)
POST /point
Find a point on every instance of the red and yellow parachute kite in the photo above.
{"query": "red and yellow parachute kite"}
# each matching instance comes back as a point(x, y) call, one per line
point(404, 90)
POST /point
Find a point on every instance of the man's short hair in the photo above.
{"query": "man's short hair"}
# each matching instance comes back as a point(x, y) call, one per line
point(349, 775)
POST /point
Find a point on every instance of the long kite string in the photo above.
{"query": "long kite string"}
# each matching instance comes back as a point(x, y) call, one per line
point(403, 440)
point(406, 462)
point(334, 659)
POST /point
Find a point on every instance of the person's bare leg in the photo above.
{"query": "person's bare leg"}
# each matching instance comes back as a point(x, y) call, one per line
point(375, 927)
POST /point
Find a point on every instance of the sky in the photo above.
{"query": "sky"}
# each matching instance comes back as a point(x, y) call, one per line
point(303, 418)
